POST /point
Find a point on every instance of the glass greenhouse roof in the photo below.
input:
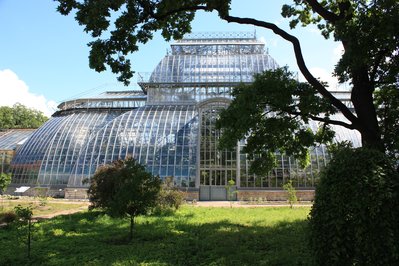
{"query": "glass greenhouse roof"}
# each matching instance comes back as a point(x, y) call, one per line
point(108, 99)
point(12, 138)
point(205, 60)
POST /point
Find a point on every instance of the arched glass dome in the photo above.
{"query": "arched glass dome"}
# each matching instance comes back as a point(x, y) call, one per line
point(49, 154)
point(161, 137)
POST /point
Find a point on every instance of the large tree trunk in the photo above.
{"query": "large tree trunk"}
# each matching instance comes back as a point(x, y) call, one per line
point(362, 98)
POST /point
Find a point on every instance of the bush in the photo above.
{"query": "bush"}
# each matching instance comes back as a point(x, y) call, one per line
point(170, 198)
point(291, 191)
point(5, 180)
point(7, 217)
point(355, 216)
point(124, 189)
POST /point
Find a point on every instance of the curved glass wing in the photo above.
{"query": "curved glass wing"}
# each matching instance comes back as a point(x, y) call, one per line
point(50, 153)
point(288, 168)
point(163, 138)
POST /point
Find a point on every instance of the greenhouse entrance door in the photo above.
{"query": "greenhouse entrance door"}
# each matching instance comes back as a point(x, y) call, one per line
point(216, 167)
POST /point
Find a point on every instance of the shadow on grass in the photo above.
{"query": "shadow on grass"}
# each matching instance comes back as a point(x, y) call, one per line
point(95, 239)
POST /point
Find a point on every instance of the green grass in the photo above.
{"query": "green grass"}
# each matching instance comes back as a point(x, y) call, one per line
point(41, 206)
point(191, 236)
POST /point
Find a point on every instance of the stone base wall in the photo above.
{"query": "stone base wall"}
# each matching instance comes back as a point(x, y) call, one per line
point(76, 193)
point(37, 192)
point(273, 195)
point(191, 195)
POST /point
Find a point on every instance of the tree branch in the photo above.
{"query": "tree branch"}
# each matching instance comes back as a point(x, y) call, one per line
point(301, 64)
point(324, 13)
point(325, 120)
point(332, 122)
point(327, 15)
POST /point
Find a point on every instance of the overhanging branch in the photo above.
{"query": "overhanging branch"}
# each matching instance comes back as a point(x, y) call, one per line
point(321, 119)
point(331, 122)
point(301, 64)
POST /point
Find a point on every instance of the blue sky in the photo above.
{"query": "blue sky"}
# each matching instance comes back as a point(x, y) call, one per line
point(44, 55)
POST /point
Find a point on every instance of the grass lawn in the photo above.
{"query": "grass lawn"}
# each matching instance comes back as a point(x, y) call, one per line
point(191, 236)
point(40, 206)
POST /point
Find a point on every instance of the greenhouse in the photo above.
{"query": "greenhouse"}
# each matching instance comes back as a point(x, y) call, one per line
point(168, 126)
point(10, 141)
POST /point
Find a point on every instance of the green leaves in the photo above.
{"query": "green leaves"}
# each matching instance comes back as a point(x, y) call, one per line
point(123, 188)
point(5, 180)
point(276, 119)
point(121, 25)
point(19, 116)
point(354, 219)
point(386, 100)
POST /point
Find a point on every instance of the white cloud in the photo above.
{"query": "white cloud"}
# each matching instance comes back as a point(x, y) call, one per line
point(324, 76)
point(338, 52)
point(13, 90)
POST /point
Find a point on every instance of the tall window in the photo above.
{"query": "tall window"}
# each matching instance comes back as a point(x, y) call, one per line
point(216, 166)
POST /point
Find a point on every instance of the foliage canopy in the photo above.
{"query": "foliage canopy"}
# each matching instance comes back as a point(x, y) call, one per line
point(279, 127)
point(19, 116)
point(5, 180)
point(354, 219)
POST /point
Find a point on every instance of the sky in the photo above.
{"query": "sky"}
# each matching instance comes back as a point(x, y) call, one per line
point(44, 55)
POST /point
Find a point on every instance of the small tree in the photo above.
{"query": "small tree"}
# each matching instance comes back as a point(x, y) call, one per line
point(292, 198)
point(5, 180)
point(124, 188)
point(24, 216)
point(230, 191)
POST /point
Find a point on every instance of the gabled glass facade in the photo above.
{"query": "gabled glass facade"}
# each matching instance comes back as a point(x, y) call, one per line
point(169, 126)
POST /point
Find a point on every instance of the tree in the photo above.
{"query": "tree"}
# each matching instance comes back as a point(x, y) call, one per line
point(367, 30)
point(230, 191)
point(387, 101)
point(19, 116)
point(5, 180)
point(291, 191)
point(24, 216)
point(354, 219)
point(279, 127)
point(124, 188)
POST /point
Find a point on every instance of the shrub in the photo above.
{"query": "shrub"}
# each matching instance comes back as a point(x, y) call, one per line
point(7, 217)
point(170, 198)
point(24, 216)
point(292, 198)
point(5, 180)
point(124, 189)
point(355, 216)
